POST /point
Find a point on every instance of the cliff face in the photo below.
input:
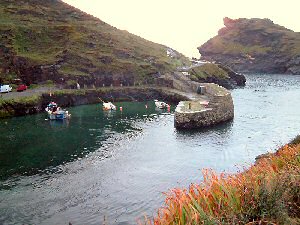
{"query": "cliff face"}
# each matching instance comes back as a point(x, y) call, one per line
point(50, 40)
point(254, 45)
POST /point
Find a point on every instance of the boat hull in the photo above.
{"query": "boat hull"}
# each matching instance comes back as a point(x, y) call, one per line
point(161, 105)
point(59, 115)
point(108, 106)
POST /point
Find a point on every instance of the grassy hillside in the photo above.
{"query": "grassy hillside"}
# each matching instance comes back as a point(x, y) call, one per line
point(50, 40)
point(206, 71)
point(256, 45)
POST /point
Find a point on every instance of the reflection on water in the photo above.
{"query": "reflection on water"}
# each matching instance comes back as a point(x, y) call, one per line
point(219, 129)
point(31, 144)
point(117, 164)
point(57, 124)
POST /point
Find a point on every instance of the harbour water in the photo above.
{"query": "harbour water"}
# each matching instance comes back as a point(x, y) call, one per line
point(118, 164)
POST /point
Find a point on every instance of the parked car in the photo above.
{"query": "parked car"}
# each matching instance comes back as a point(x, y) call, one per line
point(22, 87)
point(5, 88)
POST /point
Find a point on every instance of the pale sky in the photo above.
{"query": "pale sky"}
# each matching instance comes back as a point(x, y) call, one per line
point(185, 25)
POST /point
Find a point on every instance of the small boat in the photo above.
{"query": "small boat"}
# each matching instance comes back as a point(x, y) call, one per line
point(161, 105)
point(109, 106)
point(56, 113)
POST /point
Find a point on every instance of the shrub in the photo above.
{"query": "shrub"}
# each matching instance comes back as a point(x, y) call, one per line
point(49, 82)
point(72, 83)
point(33, 86)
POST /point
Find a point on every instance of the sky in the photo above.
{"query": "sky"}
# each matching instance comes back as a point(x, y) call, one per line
point(186, 24)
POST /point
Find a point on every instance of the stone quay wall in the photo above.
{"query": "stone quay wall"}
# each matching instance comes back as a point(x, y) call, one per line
point(214, 107)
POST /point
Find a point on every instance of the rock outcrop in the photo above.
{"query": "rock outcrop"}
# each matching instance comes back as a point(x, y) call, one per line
point(218, 74)
point(254, 45)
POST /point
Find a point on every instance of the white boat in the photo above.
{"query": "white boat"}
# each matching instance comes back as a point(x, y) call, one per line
point(56, 113)
point(108, 106)
point(161, 105)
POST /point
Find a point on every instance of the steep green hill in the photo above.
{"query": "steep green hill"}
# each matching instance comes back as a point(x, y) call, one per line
point(50, 40)
point(255, 45)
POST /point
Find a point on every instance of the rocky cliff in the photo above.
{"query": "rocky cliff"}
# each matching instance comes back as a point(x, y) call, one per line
point(254, 45)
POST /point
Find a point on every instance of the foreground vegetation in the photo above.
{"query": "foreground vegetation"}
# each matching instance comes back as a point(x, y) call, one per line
point(267, 193)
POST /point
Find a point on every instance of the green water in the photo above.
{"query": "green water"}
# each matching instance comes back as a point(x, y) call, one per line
point(31, 144)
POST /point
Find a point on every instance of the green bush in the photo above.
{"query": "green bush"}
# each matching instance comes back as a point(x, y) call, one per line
point(33, 86)
point(72, 83)
point(49, 82)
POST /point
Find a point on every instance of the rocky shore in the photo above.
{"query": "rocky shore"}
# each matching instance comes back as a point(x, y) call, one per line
point(215, 73)
point(173, 87)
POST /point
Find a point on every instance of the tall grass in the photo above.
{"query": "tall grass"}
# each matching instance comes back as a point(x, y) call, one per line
point(27, 100)
point(266, 193)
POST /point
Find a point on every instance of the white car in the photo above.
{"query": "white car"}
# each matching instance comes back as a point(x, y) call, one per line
point(5, 88)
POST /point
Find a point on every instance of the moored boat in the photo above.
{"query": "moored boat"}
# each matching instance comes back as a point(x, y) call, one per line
point(109, 106)
point(56, 113)
point(161, 105)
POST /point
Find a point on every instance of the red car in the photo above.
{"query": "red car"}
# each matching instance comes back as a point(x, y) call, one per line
point(22, 87)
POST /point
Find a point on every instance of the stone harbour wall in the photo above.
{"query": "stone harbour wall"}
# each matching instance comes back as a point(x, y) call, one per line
point(219, 109)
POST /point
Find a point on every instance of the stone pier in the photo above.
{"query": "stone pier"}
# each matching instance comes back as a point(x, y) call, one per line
point(214, 105)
